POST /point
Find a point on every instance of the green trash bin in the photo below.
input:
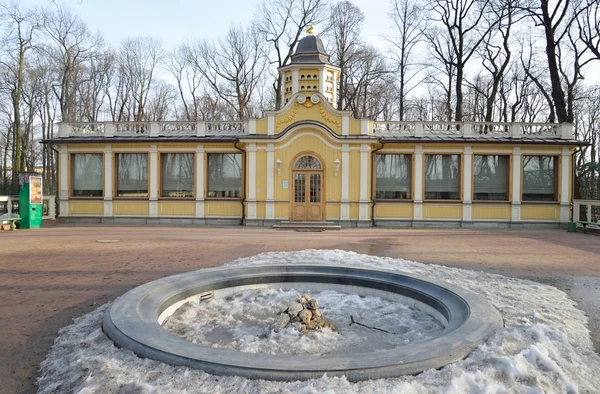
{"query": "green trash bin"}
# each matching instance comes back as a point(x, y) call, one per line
point(572, 227)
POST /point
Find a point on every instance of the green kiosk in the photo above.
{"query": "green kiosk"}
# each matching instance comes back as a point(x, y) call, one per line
point(30, 203)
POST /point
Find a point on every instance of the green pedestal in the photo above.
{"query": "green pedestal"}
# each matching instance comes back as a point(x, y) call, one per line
point(31, 214)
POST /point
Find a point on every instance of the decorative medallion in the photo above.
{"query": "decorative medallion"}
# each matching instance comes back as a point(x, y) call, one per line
point(315, 99)
point(301, 99)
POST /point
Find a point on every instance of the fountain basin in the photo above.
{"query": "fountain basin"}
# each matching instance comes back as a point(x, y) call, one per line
point(134, 321)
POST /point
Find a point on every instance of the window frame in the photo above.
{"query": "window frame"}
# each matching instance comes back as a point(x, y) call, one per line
point(242, 195)
point(116, 175)
point(72, 176)
point(160, 175)
point(460, 176)
point(411, 193)
point(509, 164)
point(556, 178)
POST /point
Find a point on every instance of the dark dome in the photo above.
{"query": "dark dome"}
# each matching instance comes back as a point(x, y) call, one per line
point(310, 49)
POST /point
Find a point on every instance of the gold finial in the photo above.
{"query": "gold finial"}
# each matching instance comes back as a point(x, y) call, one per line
point(310, 30)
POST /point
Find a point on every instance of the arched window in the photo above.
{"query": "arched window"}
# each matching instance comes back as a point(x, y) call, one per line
point(308, 163)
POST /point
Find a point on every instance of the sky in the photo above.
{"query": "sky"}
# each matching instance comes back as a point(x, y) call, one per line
point(174, 21)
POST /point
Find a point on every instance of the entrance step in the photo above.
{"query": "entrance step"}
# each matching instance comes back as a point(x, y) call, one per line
point(306, 226)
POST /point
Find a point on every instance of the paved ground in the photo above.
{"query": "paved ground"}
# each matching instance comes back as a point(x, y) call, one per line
point(51, 275)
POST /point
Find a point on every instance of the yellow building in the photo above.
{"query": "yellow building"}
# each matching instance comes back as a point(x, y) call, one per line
point(311, 162)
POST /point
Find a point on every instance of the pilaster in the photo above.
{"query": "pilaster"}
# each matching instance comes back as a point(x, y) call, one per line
point(153, 181)
point(517, 171)
point(364, 203)
point(270, 205)
point(418, 182)
point(345, 206)
point(467, 182)
point(108, 180)
point(251, 149)
point(63, 157)
point(565, 161)
point(200, 181)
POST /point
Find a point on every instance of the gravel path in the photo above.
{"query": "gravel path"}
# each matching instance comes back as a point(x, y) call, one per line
point(51, 275)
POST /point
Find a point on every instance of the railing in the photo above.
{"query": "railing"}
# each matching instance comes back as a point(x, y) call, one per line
point(153, 129)
point(10, 205)
point(489, 130)
point(591, 211)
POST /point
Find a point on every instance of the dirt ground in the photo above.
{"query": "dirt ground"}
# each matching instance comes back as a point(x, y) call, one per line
point(50, 276)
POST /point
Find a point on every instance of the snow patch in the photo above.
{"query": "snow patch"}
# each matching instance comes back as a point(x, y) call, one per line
point(545, 346)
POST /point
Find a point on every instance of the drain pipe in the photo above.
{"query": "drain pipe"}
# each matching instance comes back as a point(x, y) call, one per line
point(237, 140)
point(373, 172)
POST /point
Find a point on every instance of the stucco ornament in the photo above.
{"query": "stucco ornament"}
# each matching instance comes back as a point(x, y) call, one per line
point(301, 99)
point(315, 99)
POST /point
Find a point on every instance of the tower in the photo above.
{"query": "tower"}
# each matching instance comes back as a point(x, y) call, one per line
point(310, 71)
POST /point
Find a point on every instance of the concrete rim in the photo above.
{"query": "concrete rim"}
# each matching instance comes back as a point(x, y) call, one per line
point(132, 323)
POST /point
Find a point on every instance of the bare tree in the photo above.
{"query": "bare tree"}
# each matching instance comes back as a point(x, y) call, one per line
point(138, 61)
point(280, 23)
point(344, 27)
point(189, 81)
point(17, 41)
point(409, 20)
point(232, 68)
point(463, 31)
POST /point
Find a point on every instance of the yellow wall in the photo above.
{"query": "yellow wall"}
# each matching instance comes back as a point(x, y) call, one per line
point(94, 208)
point(491, 212)
point(394, 210)
point(442, 211)
point(130, 208)
point(540, 212)
point(221, 208)
point(176, 208)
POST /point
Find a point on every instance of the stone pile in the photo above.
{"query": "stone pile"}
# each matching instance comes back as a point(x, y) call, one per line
point(303, 314)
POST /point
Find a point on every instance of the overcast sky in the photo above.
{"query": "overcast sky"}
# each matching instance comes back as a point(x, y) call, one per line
point(174, 21)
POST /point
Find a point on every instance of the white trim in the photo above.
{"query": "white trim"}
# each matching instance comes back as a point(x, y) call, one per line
point(294, 82)
point(364, 172)
point(418, 174)
point(200, 179)
point(345, 173)
point(516, 175)
point(153, 181)
point(564, 176)
point(270, 171)
point(467, 176)
point(270, 125)
point(346, 125)
point(251, 210)
point(322, 81)
point(251, 177)
point(108, 178)
point(64, 174)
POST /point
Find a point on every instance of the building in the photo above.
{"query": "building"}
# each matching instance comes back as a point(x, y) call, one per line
point(311, 162)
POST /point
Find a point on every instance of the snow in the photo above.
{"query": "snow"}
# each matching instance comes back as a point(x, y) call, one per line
point(243, 323)
point(545, 347)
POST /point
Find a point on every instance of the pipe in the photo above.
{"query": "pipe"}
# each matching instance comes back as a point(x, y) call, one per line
point(373, 173)
point(237, 140)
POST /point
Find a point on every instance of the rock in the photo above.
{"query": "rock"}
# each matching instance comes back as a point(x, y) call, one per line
point(295, 319)
point(313, 304)
point(282, 320)
point(294, 308)
point(305, 315)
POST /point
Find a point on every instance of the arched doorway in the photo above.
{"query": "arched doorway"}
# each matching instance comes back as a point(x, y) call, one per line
point(307, 190)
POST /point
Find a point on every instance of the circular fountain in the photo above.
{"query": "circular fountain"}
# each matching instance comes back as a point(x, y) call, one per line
point(135, 320)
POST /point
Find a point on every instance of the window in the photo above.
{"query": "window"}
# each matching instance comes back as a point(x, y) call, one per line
point(177, 175)
point(441, 177)
point(490, 180)
point(132, 174)
point(224, 175)
point(393, 177)
point(539, 178)
point(87, 174)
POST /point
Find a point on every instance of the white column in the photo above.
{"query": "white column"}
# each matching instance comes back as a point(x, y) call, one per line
point(467, 182)
point(270, 125)
point(251, 181)
point(63, 184)
point(364, 184)
point(322, 81)
point(153, 181)
point(270, 205)
point(294, 81)
point(345, 124)
point(564, 185)
point(516, 185)
point(418, 182)
point(200, 181)
point(345, 203)
point(108, 180)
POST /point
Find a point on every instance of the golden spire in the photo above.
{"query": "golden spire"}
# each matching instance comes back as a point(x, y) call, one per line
point(310, 30)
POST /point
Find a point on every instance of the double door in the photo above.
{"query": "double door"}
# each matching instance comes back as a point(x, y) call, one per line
point(307, 203)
